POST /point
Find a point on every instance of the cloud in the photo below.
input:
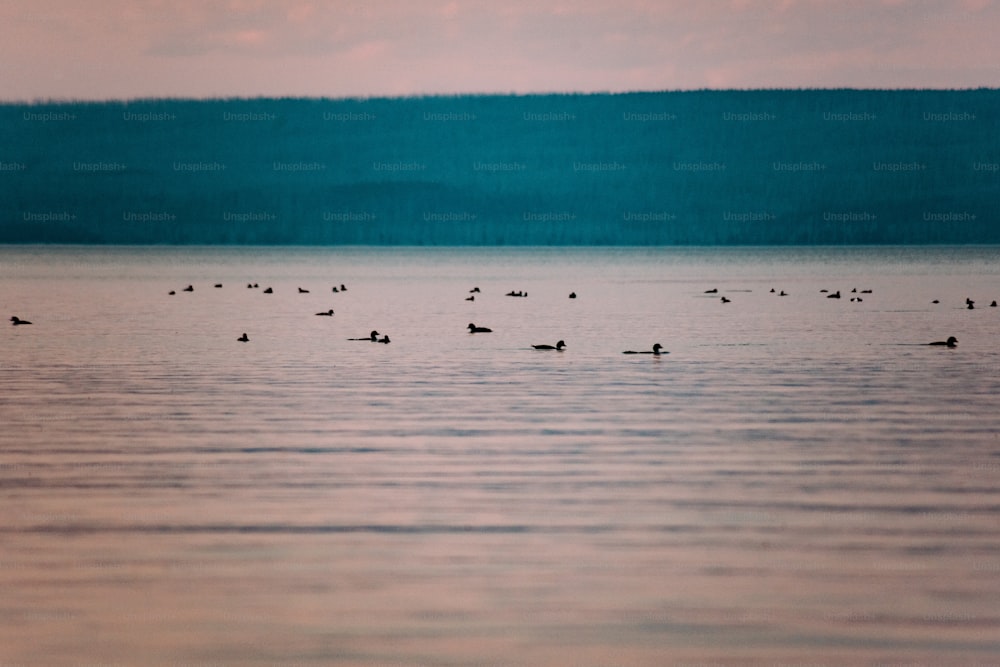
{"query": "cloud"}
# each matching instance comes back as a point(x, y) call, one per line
point(353, 47)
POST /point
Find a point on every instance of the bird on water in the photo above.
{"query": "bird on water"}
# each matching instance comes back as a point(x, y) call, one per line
point(655, 351)
point(558, 346)
point(474, 329)
point(951, 342)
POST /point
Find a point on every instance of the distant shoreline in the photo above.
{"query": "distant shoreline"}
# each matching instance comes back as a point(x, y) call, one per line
point(679, 168)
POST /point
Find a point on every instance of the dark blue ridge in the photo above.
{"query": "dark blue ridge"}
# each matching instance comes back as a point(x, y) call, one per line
point(774, 167)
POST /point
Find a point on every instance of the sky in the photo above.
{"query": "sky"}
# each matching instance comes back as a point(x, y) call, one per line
point(124, 49)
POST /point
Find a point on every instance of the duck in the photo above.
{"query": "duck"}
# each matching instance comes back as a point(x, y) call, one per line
point(17, 321)
point(474, 329)
point(303, 291)
point(373, 337)
point(783, 293)
point(558, 346)
point(269, 291)
point(189, 288)
point(946, 343)
point(243, 338)
point(655, 351)
point(474, 290)
point(335, 290)
point(171, 293)
point(249, 286)
point(342, 288)
point(384, 339)
point(328, 313)
point(835, 295)
point(993, 304)
point(218, 285)
point(724, 300)
point(471, 297)
point(714, 290)
point(572, 295)
point(935, 301)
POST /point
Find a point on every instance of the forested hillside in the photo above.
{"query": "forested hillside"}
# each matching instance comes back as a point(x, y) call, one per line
point(698, 167)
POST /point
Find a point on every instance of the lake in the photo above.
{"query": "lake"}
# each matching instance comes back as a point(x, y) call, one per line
point(801, 480)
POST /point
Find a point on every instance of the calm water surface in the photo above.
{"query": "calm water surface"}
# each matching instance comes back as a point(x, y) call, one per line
point(800, 481)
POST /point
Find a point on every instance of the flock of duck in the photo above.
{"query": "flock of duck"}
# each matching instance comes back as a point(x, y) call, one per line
point(657, 349)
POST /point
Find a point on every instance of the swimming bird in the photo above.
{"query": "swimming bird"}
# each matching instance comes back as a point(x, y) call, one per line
point(474, 290)
point(866, 291)
point(373, 337)
point(335, 290)
point(471, 297)
point(783, 293)
point(724, 300)
point(384, 339)
point(243, 338)
point(218, 285)
point(772, 290)
point(947, 343)
point(935, 301)
point(655, 351)
point(714, 290)
point(303, 291)
point(269, 291)
point(328, 313)
point(17, 321)
point(835, 295)
point(249, 286)
point(171, 293)
point(189, 288)
point(993, 304)
point(342, 288)
point(558, 346)
point(572, 295)
point(474, 329)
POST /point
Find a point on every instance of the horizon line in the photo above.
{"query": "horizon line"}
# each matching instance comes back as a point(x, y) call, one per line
point(425, 96)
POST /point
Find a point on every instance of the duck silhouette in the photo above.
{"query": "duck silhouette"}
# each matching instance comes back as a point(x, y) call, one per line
point(835, 295)
point(189, 288)
point(572, 295)
point(655, 351)
point(946, 343)
point(303, 291)
point(328, 313)
point(17, 321)
point(373, 337)
point(269, 291)
point(474, 329)
point(558, 346)
point(243, 338)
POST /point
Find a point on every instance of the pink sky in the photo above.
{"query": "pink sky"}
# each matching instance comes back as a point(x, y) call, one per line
point(69, 49)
